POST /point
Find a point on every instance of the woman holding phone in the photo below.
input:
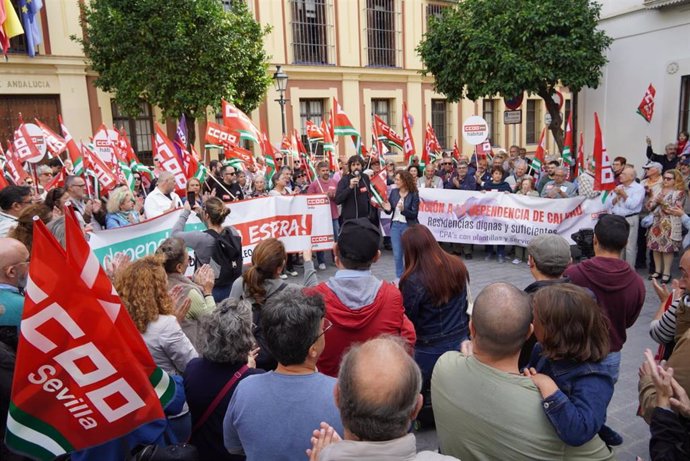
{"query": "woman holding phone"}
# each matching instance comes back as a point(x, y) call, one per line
point(665, 235)
point(193, 193)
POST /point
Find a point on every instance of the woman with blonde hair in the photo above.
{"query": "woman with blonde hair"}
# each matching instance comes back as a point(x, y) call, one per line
point(213, 214)
point(664, 237)
point(262, 281)
point(120, 208)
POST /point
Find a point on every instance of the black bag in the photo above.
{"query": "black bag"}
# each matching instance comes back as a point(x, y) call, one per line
point(226, 258)
point(177, 452)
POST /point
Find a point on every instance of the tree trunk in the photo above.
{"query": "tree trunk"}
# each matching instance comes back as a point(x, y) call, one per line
point(556, 119)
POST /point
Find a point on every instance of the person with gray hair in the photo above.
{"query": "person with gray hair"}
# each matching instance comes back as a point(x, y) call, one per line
point(225, 346)
point(484, 408)
point(163, 198)
point(520, 173)
point(668, 161)
point(271, 416)
point(376, 408)
point(559, 187)
point(45, 175)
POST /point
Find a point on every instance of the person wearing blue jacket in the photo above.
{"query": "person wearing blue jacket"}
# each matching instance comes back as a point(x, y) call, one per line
point(403, 203)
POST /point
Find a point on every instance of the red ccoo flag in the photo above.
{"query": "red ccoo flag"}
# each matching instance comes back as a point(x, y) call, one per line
point(604, 178)
point(646, 107)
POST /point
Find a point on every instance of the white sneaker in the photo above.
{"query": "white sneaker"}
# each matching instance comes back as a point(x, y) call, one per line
point(283, 276)
point(517, 261)
point(293, 273)
point(322, 267)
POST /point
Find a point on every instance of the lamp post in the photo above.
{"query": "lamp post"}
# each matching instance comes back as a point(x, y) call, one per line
point(280, 79)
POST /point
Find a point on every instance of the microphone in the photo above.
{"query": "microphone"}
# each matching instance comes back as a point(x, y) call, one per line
point(356, 173)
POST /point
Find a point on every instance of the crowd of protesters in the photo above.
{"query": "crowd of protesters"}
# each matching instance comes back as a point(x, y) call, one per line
point(342, 368)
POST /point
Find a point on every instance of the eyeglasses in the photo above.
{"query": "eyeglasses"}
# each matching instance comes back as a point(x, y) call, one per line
point(137, 178)
point(230, 174)
point(666, 178)
point(327, 324)
point(300, 176)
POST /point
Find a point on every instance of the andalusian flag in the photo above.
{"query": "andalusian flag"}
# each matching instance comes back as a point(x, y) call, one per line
point(238, 121)
point(134, 164)
point(342, 126)
point(540, 153)
point(73, 150)
point(200, 171)
point(568, 143)
point(378, 187)
point(269, 156)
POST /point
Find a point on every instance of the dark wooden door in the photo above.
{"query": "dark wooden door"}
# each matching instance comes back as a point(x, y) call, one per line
point(43, 107)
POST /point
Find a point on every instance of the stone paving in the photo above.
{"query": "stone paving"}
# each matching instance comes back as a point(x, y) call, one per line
point(622, 410)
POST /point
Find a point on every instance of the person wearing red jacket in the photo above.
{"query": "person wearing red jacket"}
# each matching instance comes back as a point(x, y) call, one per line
point(359, 305)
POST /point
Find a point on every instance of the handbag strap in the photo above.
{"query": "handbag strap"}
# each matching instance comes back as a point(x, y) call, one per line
point(223, 392)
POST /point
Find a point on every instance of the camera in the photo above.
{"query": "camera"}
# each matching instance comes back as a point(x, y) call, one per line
point(584, 240)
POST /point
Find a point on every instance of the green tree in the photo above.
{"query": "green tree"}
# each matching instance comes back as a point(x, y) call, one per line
point(481, 48)
point(180, 55)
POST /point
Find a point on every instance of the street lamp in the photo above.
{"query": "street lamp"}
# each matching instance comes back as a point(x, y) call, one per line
point(280, 79)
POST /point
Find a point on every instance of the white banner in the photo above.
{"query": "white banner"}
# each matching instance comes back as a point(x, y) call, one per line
point(298, 221)
point(498, 218)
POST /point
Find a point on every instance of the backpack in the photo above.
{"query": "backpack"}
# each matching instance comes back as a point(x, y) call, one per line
point(226, 257)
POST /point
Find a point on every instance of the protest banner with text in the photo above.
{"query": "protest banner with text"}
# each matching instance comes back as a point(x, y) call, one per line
point(497, 218)
point(299, 222)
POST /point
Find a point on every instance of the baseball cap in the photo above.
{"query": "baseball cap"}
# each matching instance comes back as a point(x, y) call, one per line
point(358, 240)
point(685, 161)
point(656, 165)
point(550, 250)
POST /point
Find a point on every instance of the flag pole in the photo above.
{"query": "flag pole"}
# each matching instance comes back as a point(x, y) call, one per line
point(222, 186)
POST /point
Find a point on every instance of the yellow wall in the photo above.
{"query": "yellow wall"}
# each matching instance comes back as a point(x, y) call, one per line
point(347, 78)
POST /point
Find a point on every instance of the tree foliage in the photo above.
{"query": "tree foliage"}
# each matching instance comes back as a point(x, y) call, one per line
point(180, 55)
point(481, 48)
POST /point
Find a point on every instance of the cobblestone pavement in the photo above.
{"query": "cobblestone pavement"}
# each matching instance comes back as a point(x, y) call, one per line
point(622, 410)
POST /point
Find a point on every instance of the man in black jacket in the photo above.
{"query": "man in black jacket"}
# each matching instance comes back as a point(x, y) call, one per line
point(228, 190)
point(353, 192)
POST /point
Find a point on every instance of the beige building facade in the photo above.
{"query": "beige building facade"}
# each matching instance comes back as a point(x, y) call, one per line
point(361, 52)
